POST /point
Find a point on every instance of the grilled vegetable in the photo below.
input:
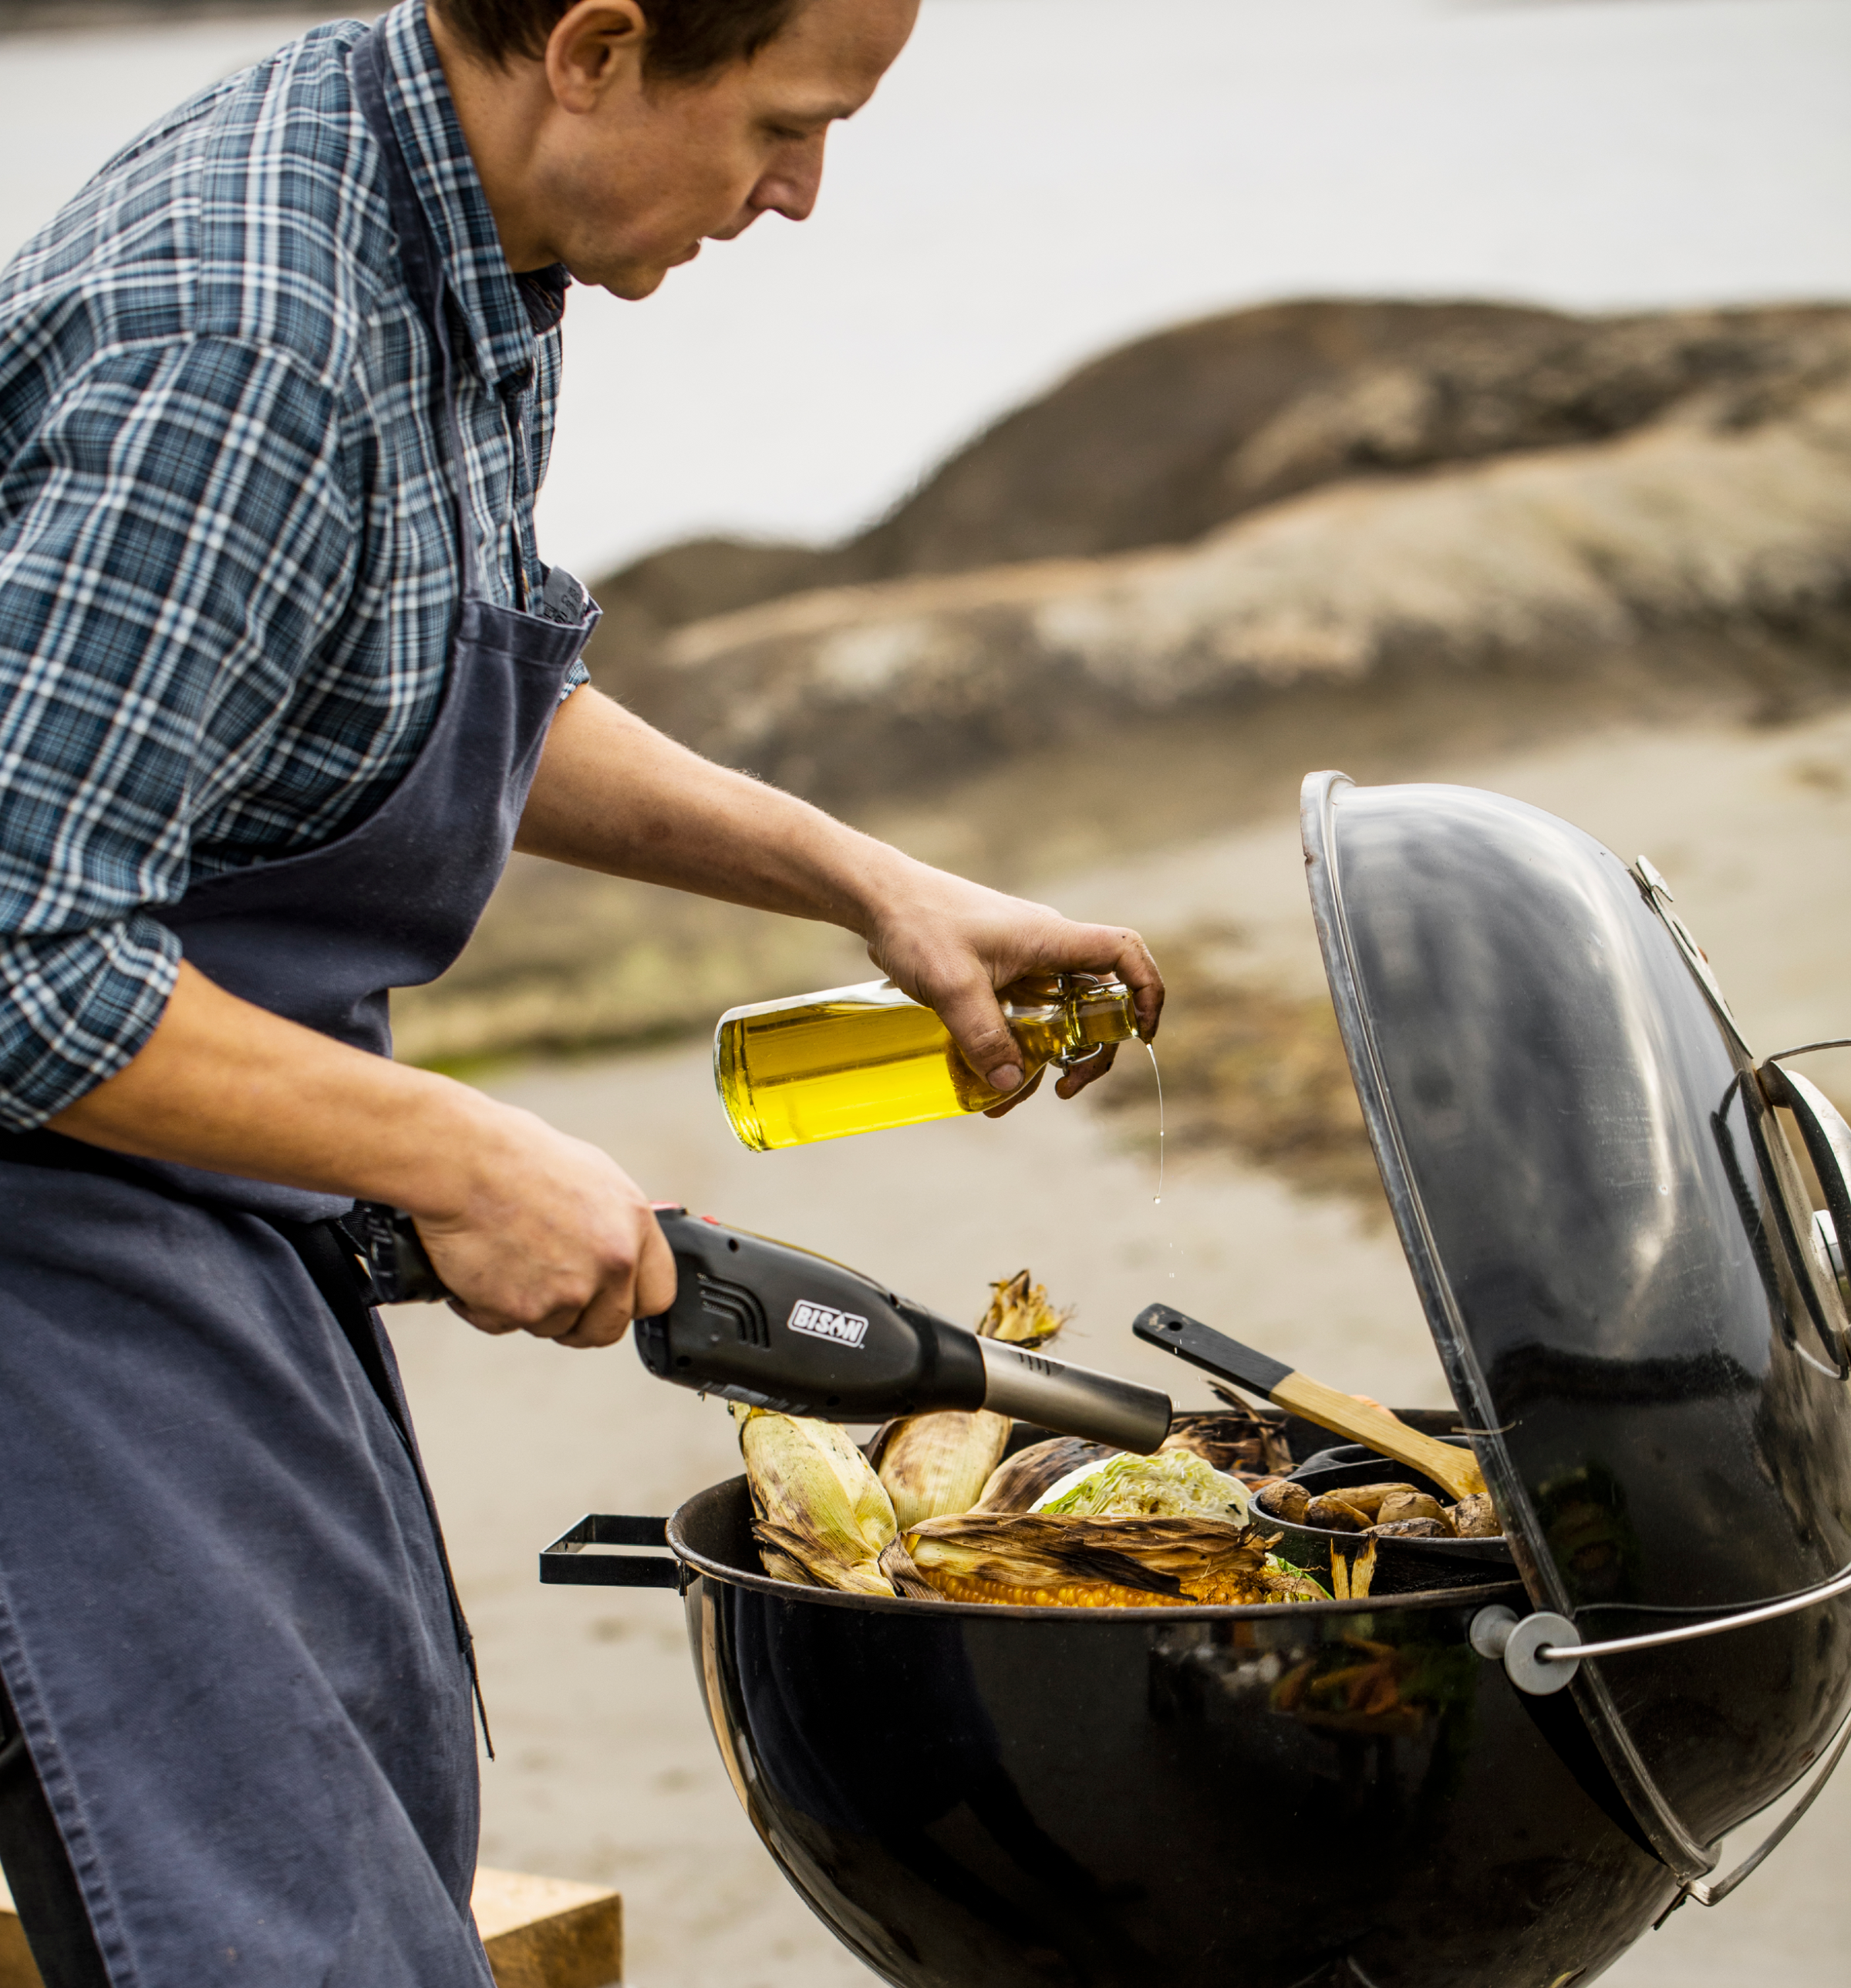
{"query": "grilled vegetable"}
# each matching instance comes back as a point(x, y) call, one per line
point(1174, 1484)
point(1476, 1518)
point(1236, 1440)
point(1014, 1485)
point(940, 1463)
point(1100, 1563)
point(1401, 1505)
point(936, 1464)
point(1333, 1513)
point(819, 1507)
point(1369, 1498)
point(1283, 1499)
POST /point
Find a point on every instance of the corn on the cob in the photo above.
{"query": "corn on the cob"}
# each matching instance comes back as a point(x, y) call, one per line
point(820, 1506)
point(939, 1463)
point(1098, 1563)
point(936, 1465)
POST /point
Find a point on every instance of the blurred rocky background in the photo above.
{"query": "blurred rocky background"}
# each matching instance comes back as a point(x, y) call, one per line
point(1347, 531)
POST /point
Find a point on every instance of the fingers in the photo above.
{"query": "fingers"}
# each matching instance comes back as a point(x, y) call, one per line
point(974, 1015)
point(559, 1243)
point(1021, 1097)
point(1119, 950)
point(1076, 1076)
point(605, 1320)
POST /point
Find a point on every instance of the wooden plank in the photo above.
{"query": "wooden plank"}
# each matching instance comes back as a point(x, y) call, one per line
point(16, 1967)
point(548, 1932)
point(540, 1932)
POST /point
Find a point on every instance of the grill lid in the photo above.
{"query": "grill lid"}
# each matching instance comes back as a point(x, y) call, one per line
point(1616, 1256)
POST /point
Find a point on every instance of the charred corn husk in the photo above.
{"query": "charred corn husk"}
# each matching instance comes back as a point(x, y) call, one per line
point(1019, 1312)
point(1099, 1563)
point(1015, 1485)
point(819, 1507)
point(937, 1464)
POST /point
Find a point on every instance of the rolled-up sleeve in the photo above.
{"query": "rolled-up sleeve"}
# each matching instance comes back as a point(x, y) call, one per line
point(175, 540)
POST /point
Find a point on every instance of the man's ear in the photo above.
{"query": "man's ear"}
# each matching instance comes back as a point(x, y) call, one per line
point(597, 46)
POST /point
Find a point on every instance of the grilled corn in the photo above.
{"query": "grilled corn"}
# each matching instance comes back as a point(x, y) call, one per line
point(819, 1507)
point(936, 1465)
point(1031, 1560)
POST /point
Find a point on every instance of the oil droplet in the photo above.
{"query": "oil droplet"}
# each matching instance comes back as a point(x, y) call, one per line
point(1152, 1047)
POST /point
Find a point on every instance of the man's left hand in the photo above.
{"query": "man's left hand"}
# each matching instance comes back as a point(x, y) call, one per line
point(952, 944)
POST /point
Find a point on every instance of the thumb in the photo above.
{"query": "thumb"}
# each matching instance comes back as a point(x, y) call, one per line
point(973, 1013)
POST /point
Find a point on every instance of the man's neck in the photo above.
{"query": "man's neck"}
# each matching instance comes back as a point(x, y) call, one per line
point(499, 111)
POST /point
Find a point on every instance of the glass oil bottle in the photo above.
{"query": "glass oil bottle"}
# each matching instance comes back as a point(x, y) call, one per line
point(867, 1058)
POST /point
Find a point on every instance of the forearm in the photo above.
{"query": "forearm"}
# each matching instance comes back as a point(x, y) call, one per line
point(531, 1229)
point(225, 1085)
point(614, 795)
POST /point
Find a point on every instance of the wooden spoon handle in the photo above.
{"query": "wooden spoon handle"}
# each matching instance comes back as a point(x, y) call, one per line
point(1446, 1464)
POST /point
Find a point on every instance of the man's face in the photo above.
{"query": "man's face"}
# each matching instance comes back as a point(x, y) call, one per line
point(640, 173)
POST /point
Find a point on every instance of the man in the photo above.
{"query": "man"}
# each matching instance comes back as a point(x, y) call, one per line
point(282, 678)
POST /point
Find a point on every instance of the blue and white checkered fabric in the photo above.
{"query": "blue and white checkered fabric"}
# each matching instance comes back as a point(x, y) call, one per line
point(228, 568)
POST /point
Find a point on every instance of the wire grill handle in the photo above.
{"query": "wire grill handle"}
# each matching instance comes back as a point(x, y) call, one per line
point(565, 1564)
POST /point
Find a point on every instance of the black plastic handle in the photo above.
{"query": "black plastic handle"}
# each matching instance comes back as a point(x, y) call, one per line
point(565, 1564)
point(1214, 1352)
point(396, 1260)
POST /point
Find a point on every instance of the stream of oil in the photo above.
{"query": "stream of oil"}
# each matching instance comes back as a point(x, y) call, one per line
point(1158, 1197)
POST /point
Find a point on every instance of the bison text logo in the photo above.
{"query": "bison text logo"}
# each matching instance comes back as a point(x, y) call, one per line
point(822, 1321)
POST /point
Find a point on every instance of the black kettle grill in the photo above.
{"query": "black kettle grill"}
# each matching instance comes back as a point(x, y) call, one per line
point(1498, 1783)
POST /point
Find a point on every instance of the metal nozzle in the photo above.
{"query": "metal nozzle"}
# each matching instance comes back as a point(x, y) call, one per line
point(1073, 1401)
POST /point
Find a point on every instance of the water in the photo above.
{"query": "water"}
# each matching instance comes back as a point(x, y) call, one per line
point(1040, 178)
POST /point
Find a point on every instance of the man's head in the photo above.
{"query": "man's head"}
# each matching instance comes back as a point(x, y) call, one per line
point(614, 135)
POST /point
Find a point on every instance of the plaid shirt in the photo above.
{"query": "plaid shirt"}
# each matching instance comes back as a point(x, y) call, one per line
point(228, 568)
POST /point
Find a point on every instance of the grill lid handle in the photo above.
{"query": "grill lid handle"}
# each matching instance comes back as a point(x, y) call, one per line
point(1828, 1142)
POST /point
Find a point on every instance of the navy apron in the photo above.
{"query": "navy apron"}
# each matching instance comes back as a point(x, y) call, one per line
point(226, 1625)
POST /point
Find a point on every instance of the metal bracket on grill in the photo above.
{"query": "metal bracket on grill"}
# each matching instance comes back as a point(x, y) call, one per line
point(565, 1564)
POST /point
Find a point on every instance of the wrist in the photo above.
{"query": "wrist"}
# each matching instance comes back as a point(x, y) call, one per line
point(445, 1142)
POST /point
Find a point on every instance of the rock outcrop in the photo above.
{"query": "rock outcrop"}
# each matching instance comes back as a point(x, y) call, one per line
point(1504, 490)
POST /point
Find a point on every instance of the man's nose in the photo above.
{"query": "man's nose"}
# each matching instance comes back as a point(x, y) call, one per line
point(791, 185)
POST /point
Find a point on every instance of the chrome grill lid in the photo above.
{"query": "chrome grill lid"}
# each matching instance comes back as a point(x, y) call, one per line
point(1615, 1254)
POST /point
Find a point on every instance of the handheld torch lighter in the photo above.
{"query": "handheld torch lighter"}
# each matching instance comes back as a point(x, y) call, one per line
point(778, 1328)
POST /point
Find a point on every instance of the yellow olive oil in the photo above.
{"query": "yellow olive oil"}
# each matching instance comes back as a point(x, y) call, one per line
point(866, 1059)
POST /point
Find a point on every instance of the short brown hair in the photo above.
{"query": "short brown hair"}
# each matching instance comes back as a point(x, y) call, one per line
point(688, 39)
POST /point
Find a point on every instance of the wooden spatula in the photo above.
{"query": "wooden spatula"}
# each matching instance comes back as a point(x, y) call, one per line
point(1201, 1346)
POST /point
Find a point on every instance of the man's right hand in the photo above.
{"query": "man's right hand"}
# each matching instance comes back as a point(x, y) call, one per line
point(533, 1231)
point(552, 1237)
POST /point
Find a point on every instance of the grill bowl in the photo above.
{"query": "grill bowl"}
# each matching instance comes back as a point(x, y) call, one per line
point(1074, 1798)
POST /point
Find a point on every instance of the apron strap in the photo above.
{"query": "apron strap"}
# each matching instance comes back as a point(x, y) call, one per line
point(422, 263)
point(327, 1254)
point(46, 1895)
